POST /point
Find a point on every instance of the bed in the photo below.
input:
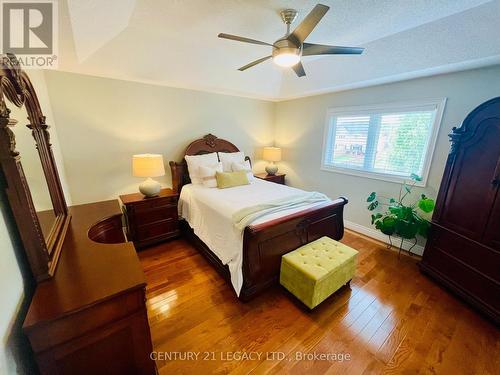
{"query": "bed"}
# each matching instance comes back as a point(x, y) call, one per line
point(253, 263)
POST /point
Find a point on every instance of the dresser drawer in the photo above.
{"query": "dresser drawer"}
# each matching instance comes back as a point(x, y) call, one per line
point(88, 320)
point(280, 179)
point(475, 255)
point(464, 278)
point(151, 203)
point(158, 229)
point(153, 215)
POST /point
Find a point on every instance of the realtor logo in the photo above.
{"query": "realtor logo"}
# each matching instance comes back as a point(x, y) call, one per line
point(29, 31)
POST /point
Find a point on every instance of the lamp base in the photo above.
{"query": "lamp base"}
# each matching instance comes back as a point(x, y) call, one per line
point(150, 188)
point(271, 169)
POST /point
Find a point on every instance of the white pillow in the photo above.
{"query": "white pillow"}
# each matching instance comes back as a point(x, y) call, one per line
point(194, 162)
point(244, 166)
point(227, 158)
point(207, 174)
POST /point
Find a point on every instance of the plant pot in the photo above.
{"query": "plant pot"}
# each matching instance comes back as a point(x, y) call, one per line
point(407, 230)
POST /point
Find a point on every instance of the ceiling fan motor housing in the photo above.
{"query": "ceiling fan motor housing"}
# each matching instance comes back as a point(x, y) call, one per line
point(286, 46)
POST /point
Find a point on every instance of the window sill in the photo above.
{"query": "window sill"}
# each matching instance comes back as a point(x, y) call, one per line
point(373, 175)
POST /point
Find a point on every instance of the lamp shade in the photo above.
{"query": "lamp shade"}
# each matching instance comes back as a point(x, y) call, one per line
point(271, 154)
point(148, 165)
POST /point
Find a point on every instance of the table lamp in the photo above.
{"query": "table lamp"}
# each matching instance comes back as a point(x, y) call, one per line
point(148, 165)
point(271, 154)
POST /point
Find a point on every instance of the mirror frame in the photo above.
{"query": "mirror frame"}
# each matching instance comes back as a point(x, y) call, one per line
point(42, 253)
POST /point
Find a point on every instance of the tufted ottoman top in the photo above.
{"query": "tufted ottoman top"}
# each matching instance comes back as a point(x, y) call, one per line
point(318, 258)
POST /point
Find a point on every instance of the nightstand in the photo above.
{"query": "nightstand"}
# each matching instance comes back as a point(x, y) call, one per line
point(278, 178)
point(151, 220)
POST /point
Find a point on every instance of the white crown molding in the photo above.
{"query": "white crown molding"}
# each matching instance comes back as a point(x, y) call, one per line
point(379, 236)
point(209, 90)
point(429, 72)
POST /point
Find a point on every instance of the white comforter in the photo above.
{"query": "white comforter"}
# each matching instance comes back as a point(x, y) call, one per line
point(209, 212)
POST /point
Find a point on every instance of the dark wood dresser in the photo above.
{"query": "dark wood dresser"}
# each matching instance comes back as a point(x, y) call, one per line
point(88, 311)
point(91, 317)
point(278, 178)
point(463, 248)
point(151, 220)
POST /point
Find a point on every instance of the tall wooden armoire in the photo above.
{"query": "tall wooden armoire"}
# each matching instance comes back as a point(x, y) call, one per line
point(463, 248)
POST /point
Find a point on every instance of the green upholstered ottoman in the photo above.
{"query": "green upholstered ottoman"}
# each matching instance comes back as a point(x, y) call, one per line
point(318, 269)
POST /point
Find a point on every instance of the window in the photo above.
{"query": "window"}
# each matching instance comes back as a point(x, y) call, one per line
point(388, 142)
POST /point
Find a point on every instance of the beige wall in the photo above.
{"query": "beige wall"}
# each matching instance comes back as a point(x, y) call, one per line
point(103, 122)
point(15, 295)
point(300, 124)
point(12, 292)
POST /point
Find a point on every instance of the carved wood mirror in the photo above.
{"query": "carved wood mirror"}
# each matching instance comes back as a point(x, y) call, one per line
point(41, 212)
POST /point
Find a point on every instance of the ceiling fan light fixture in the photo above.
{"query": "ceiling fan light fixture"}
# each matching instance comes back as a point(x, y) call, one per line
point(286, 60)
point(286, 53)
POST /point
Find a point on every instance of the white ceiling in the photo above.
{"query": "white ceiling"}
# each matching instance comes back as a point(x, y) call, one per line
point(174, 42)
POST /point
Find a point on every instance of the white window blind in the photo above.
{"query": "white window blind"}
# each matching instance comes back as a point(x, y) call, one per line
point(387, 142)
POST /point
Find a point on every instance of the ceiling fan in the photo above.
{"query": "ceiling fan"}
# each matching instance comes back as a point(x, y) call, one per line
point(288, 50)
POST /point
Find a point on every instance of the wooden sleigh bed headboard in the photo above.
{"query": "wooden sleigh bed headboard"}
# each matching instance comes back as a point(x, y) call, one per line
point(207, 144)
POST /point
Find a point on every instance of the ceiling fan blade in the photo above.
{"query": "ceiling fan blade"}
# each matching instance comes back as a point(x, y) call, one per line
point(299, 69)
point(254, 63)
point(309, 22)
point(320, 49)
point(242, 39)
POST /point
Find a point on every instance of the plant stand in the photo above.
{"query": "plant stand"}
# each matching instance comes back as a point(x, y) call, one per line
point(411, 240)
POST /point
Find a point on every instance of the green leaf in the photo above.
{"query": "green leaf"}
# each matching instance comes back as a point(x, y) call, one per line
point(392, 200)
point(427, 205)
point(416, 217)
point(371, 197)
point(376, 217)
point(396, 210)
point(415, 177)
point(406, 212)
point(373, 205)
point(423, 228)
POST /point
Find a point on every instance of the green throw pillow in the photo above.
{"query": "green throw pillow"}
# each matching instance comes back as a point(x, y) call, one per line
point(231, 179)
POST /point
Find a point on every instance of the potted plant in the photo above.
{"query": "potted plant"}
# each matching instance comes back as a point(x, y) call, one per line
point(398, 218)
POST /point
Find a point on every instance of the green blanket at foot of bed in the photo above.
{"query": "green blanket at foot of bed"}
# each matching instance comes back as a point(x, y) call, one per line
point(318, 269)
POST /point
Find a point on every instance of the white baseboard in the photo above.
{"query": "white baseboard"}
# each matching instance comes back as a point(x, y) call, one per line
point(375, 234)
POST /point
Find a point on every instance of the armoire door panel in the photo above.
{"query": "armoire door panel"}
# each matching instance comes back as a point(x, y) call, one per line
point(471, 192)
point(491, 235)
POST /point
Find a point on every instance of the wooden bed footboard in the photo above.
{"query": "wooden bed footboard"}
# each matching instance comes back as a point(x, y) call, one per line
point(264, 244)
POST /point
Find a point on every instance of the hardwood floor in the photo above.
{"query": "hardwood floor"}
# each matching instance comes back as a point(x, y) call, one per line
point(391, 320)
